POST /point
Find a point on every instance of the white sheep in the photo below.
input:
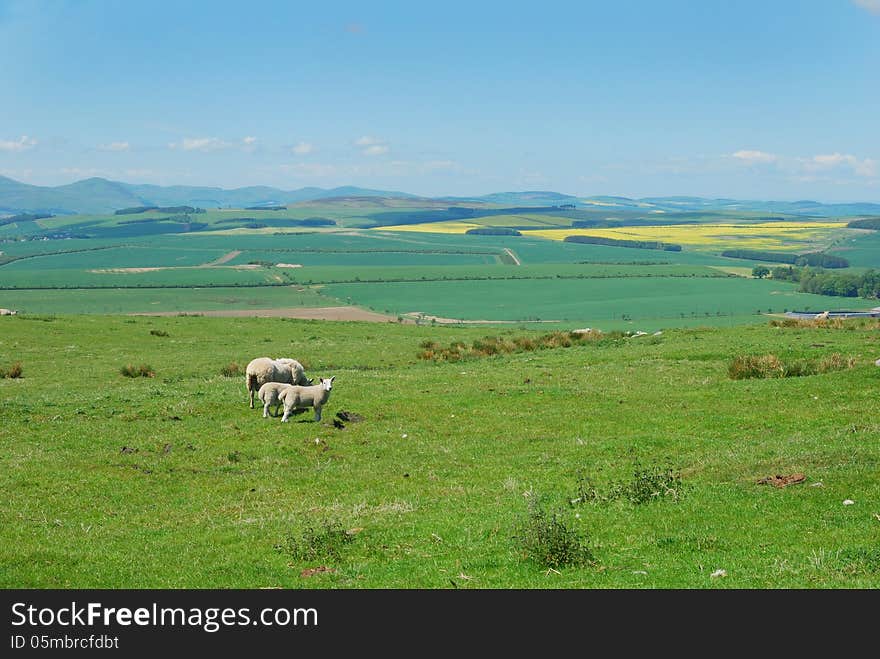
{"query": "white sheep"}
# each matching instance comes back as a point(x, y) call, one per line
point(265, 369)
point(298, 397)
point(270, 394)
point(8, 312)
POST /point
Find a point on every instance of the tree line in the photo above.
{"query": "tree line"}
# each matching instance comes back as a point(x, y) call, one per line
point(820, 282)
point(815, 259)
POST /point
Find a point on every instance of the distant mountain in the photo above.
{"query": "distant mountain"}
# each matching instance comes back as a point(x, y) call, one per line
point(98, 195)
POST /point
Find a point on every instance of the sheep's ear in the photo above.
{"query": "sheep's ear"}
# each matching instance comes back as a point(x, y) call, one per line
point(332, 378)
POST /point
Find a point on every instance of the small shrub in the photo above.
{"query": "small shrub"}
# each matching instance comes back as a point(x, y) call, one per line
point(142, 371)
point(231, 370)
point(544, 538)
point(158, 333)
point(15, 371)
point(313, 543)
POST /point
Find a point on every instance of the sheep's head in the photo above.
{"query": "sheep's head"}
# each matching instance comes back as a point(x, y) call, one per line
point(327, 383)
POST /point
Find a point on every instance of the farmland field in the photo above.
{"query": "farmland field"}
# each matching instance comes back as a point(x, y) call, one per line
point(653, 302)
point(248, 259)
point(172, 481)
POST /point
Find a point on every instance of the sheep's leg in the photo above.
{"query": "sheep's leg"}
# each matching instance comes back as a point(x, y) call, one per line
point(266, 411)
point(317, 413)
point(286, 414)
point(252, 397)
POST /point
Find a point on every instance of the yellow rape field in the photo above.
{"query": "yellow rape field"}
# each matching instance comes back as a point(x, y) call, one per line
point(795, 236)
point(433, 227)
point(766, 235)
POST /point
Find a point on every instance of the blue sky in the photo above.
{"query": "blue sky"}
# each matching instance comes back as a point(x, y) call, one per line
point(746, 99)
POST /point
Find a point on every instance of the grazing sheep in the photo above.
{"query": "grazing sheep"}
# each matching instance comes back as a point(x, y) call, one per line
point(270, 394)
point(297, 397)
point(822, 316)
point(7, 312)
point(264, 369)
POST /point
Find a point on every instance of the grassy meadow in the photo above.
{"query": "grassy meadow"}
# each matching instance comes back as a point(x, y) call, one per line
point(632, 462)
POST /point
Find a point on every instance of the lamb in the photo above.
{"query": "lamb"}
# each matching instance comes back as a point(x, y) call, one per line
point(298, 397)
point(270, 394)
point(264, 369)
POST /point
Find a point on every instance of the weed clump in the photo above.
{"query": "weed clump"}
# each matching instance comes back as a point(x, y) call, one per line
point(647, 484)
point(14, 371)
point(158, 333)
point(770, 366)
point(494, 345)
point(231, 370)
point(324, 540)
point(546, 539)
point(142, 371)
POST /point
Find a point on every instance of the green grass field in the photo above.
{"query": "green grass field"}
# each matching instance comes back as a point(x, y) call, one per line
point(147, 300)
point(655, 301)
point(172, 481)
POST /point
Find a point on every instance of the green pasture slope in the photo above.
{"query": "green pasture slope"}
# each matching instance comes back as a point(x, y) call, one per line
point(172, 481)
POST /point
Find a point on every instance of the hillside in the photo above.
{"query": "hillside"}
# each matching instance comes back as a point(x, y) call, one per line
point(640, 457)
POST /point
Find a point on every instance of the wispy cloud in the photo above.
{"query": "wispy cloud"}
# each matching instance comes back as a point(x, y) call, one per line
point(115, 146)
point(753, 157)
point(23, 143)
point(355, 28)
point(872, 6)
point(863, 167)
point(372, 146)
point(303, 148)
point(205, 144)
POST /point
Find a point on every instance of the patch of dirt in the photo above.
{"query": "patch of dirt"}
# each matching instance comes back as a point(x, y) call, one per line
point(309, 313)
point(422, 317)
point(223, 259)
point(349, 417)
point(124, 271)
point(312, 571)
point(782, 481)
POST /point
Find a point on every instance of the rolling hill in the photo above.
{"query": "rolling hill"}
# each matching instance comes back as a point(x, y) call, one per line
point(98, 195)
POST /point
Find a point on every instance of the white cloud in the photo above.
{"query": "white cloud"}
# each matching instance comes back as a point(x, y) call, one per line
point(372, 146)
point(872, 6)
point(311, 170)
point(375, 150)
point(115, 146)
point(303, 148)
point(249, 140)
point(204, 144)
point(23, 143)
point(864, 167)
point(752, 157)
